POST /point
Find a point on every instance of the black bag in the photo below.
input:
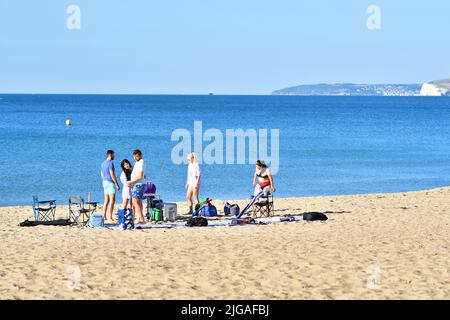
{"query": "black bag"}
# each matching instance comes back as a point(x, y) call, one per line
point(314, 216)
point(226, 209)
point(231, 209)
point(197, 222)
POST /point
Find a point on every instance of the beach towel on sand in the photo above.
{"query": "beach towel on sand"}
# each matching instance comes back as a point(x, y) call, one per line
point(62, 222)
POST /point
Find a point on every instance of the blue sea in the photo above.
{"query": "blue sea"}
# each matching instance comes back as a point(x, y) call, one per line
point(327, 145)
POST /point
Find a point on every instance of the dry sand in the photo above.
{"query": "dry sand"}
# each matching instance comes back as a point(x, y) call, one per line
point(378, 246)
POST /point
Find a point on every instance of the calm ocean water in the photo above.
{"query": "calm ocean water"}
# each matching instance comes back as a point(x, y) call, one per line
point(328, 145)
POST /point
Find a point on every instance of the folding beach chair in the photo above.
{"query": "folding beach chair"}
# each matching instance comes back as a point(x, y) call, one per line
point(44, 210)
point(263, 207)
point(77, 210)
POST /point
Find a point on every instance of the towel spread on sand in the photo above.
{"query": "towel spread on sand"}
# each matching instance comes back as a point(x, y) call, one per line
point(211, 223)
point(61, 222)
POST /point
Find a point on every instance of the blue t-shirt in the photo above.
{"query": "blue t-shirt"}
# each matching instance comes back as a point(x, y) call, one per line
point(106, 166)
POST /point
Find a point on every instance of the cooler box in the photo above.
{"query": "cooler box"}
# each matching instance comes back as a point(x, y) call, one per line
point(96, 220)
point(170, 211)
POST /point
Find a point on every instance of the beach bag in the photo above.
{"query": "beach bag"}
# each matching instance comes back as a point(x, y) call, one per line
point(149, 188)
point(226, 209)
point(96, 220)
point(157, 215)
point(197, 222)
point(157, 203)
point(207, 211)
point(314, 216)
point(121, 216)
point(128, 221)
point(231, 209)
point(235, 210)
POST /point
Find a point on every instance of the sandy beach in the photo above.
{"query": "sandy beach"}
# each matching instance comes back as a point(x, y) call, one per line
point(377, 246)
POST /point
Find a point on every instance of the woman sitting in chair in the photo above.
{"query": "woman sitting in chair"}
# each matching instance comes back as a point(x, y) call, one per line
point(264, 177)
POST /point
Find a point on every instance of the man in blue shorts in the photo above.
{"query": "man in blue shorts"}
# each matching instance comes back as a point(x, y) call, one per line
point(138, 183)
point(110, 185)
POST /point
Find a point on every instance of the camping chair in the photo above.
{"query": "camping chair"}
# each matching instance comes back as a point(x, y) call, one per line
point(264, 206)
point(77, 210)
point(44, 210)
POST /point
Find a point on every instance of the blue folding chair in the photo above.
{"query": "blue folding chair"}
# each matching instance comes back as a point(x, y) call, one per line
point(44, 210)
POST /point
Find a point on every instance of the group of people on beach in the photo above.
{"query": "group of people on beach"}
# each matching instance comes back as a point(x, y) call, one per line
point(133, 184)
point(134, 179)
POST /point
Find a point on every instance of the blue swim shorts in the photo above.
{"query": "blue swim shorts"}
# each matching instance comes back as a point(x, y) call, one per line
point(138, 191)
point(109, 187)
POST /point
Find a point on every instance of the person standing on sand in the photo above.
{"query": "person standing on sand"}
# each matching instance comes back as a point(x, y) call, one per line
point(137, 183)
point(124, 178)
point(110, 185)
point(193, 180)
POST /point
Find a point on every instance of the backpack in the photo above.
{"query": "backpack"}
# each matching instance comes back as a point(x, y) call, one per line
point(96, 220)
point(197, 222)
point(231, 209)
point(314, 216)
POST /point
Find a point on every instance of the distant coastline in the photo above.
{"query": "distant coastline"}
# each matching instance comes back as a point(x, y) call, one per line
point(434, 88)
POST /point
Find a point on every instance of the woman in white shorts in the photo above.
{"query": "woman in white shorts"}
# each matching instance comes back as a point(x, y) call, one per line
point(193, 180)
point(124, 178)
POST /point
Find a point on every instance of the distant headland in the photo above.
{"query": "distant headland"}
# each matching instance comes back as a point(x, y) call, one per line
point(434, 88)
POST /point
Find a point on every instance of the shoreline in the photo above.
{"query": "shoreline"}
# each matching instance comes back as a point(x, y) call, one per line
point(118, 204)
point(373, 246)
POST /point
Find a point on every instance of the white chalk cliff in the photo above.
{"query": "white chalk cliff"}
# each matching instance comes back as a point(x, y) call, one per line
point(436, 88)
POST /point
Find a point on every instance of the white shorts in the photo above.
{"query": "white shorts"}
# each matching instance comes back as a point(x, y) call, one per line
point(193, 185)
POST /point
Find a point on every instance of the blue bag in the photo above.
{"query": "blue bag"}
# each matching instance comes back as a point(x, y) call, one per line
point(128, 221)
point(96, 220)
point(121, 216)
point(206, 211)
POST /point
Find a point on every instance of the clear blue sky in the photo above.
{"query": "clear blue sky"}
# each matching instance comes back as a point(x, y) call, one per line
point(220, 46)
